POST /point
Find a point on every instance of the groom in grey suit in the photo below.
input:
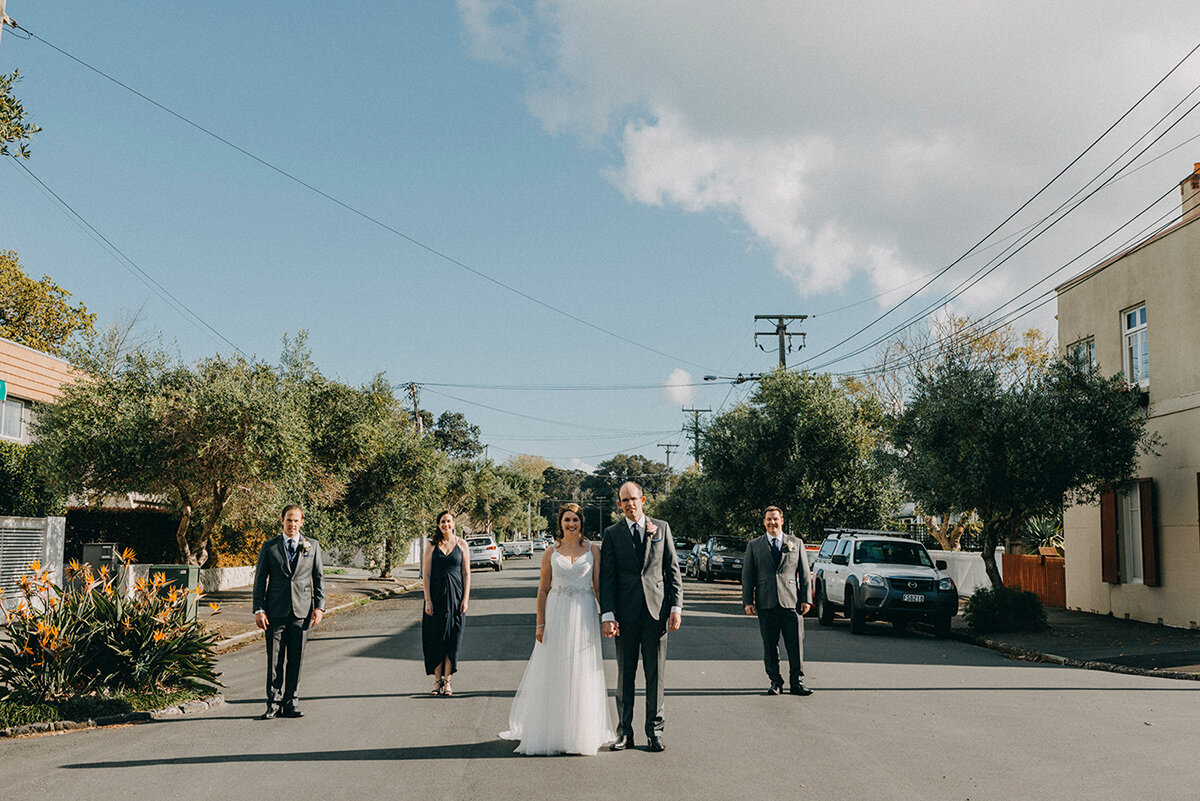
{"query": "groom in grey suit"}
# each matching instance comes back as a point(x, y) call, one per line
point(641, 598)
point(776, 587)
point(289, 597)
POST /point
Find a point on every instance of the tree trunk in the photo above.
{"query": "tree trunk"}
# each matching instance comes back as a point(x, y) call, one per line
point(385, 569)
point(181, 538)
point(220, 499)
point(991, 539)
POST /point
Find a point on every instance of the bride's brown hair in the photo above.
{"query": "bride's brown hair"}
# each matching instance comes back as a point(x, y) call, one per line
point(562, 510)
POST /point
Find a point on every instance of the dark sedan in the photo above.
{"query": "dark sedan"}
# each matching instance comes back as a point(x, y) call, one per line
point(721, 558)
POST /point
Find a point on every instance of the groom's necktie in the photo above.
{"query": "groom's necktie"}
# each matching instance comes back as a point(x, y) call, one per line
point(776, 553)
point(291, 554)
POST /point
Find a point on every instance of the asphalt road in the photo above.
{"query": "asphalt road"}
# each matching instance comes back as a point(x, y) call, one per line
point(894, 716)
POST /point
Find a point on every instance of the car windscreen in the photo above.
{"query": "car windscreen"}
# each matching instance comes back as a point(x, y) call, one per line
point(479, 543)
point(891, 553)
point(728, 546)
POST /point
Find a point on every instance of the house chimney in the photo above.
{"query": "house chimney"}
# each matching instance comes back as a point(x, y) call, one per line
point(1189, 191)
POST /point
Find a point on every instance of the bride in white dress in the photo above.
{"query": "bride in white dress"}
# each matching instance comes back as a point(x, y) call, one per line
point(561, 706)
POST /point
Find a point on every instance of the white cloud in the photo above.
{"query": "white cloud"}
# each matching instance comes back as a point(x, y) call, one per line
point(876, 140)
point(579, 464)
point(677, 388)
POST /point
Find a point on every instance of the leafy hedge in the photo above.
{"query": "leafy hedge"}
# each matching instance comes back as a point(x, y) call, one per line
point(24, 489)
point(90, 638)
point(1004, 609)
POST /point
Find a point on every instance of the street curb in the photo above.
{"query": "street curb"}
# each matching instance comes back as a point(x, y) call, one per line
point(166, 713)
point(396, 590)
point(1029, 655)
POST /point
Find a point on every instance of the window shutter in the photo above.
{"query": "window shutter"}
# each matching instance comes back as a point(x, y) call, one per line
point(1149, 540)
point(1108, 536)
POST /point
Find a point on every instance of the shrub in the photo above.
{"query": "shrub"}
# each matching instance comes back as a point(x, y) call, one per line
point(230, 546)
point(24, 489)
point(88, 638)
point(1004, 609)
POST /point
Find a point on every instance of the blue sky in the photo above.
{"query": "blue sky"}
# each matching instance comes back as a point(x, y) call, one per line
point(664, 171)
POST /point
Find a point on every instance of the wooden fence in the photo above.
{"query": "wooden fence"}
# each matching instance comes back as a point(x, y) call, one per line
point(1044, 576)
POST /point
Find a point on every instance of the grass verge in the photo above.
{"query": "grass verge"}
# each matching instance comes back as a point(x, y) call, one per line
point(96, 706)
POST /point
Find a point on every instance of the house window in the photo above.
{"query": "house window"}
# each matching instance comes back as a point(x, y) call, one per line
point(13, 424)
point(1083, 352)
point(1137, 347)
point(1129, 534)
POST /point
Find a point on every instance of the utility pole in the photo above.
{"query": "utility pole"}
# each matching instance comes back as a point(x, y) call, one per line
point(668, 447)
point(412, 393)
point(785, 336)
point(695, 430)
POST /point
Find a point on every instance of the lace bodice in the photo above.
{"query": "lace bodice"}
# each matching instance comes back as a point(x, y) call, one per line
point(568, 578)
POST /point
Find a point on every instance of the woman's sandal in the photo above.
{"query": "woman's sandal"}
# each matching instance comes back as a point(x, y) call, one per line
point(438, 686)
point(446, 689)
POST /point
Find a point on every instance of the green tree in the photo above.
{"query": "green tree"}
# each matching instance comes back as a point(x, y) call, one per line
point(454, 436)
point(36, 313)
point(688, 508)
point(14, 130)
point(805, 445)
point(559, 484)
point(1018, 451)
point(219, 440)
point(610, 474)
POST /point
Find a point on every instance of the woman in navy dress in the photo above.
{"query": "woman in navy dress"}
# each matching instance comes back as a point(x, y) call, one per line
point(446, 567)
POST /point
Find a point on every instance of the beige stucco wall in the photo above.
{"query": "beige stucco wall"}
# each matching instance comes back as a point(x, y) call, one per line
point(1164, 274)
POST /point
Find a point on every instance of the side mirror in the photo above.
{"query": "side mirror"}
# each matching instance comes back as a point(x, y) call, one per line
point(941, 564)
point(839, 559)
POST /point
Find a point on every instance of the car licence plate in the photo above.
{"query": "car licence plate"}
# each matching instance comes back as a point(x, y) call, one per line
point(913, 598)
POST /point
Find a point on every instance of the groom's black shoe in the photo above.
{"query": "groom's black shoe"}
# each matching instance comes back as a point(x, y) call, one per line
point(292, 712)
point(798, 688)
point(656, 744)
point(622, 742)
point(776, 688)
point(270, 714)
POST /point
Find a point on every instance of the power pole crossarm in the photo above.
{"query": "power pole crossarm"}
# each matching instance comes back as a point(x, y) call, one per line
point(785, 337)
point(695, 431)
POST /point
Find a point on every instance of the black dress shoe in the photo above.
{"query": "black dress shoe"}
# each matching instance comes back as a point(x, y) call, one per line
point(656, 744)
point(798, 688)
point(270, 714)
point(622, 742)
point(292, 712)
point(776, 688)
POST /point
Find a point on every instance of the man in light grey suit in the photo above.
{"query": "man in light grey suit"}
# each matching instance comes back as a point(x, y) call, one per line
point(776, 587)
point(641, 598)
point(289, 597)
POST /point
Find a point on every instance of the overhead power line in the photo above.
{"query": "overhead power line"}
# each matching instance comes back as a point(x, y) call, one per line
point(364, 215)
point(127, 263)
point(1005, 221)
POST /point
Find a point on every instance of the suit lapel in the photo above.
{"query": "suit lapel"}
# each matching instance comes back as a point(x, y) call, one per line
point(649, 540)
point(283, 557)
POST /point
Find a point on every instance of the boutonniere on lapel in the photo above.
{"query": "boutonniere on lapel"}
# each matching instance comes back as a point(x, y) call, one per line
point(786, 547)
point(305, 546)
point(651, 529)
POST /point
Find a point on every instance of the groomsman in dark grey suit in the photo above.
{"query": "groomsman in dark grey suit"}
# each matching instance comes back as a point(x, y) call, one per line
point(641, 599)
point(776, 587)
point(289, 598)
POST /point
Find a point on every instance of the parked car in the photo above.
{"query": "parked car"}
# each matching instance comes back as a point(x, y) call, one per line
point(681, 555)
point(875, 576)
point(514, 548)
point(691, 563)
point(485, 553)
point(721, 558)
point(540, 543)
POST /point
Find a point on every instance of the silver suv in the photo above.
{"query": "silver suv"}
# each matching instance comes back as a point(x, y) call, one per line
point(873, 575)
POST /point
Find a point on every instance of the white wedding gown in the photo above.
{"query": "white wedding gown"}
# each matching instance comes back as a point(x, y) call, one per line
point(561, 706)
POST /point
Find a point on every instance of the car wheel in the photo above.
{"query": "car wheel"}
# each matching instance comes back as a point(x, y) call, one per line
point(824, 610)
point(858, 618)
point(941, 627)
point(496, 567)
point(708, 576)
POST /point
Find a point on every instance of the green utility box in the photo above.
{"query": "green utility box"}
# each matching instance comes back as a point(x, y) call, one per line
point(184, 577)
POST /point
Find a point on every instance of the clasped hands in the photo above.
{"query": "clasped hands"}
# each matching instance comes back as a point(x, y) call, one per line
point(610, 628)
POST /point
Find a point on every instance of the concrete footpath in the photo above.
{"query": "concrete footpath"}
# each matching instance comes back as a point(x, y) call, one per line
point(1099, 642)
